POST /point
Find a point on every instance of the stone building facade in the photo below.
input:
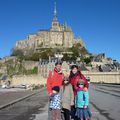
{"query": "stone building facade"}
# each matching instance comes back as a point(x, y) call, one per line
point(57, 35)
point(45, 68)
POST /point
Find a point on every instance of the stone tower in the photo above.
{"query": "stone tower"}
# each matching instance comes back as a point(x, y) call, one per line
point(55, 23)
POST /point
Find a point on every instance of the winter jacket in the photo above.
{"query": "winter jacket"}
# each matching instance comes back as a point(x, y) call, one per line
point(67, 96)
point(54, 79)
point(82, 99)
point(75, 78)
point(55, 101)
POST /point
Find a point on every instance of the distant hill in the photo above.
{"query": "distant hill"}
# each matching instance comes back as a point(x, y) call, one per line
point(43, 53)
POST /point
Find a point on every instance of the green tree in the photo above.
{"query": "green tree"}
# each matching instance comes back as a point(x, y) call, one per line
point(35, 56)
point(66, 57)
point(35, 70)
point(17, 52)
point(87, 60)
point(75, 54)
point(83, 51)
point(1, 74)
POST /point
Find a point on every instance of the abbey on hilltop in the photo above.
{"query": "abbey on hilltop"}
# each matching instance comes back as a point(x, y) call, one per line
point(57, 35)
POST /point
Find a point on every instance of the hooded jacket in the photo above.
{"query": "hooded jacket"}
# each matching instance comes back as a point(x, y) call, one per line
point(54, 79)
point(67, 96)
point(82, 99)
point(74, 79)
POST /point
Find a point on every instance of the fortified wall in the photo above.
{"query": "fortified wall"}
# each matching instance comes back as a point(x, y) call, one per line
point(103, 77)
point(43, 71)
point(28, 80)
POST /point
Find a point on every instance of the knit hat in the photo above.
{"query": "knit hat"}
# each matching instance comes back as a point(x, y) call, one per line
point(80, 81)
point(56, 88)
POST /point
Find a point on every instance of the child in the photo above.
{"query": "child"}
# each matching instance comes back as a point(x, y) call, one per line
point(67, 97)
point(55, 104)
point(82, 102)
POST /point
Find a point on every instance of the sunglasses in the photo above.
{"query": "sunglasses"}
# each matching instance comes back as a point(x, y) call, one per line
point(80, 84)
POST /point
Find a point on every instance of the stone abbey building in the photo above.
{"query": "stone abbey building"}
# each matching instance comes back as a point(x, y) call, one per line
point(57, 35)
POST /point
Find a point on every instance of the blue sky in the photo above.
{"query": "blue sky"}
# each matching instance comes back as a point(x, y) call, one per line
point(97, 22)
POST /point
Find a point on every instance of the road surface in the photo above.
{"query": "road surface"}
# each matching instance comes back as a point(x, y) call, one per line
point(104, 105)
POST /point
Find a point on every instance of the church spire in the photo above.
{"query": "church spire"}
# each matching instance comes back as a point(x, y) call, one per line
point(55, 10)
point(55, 23)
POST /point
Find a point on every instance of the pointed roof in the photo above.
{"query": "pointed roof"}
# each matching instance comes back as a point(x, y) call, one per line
point(55, 11)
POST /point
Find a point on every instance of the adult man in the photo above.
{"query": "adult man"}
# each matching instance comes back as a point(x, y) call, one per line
point(55, 77)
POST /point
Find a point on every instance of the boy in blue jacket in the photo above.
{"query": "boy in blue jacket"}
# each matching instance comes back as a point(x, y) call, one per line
point(82, 102)
point(55, 104)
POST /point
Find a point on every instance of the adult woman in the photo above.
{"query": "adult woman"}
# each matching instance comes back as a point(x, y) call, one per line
point(75, 75)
